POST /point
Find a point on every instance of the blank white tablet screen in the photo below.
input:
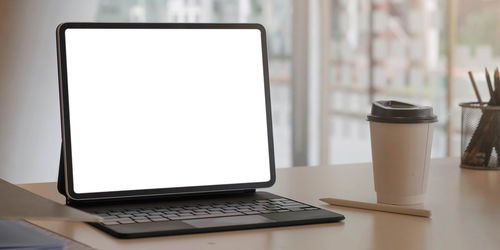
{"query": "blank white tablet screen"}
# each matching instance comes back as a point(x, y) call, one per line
point(164, 108)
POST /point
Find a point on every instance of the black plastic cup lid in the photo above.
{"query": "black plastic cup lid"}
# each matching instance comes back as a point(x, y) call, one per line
point(400, 112)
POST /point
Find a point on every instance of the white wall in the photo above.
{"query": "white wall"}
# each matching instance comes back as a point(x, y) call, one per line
point(29, 103)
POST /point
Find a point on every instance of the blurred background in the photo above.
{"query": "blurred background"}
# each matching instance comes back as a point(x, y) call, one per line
point(329, 59)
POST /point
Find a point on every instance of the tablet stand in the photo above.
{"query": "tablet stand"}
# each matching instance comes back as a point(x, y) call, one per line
point(61, 183)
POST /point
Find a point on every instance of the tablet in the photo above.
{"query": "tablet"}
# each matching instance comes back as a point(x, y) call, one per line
point(150, 109)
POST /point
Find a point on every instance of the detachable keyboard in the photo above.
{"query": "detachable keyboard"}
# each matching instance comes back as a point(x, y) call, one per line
point(200, 211)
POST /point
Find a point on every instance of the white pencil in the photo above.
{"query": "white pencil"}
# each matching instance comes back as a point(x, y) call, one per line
point(378, 207)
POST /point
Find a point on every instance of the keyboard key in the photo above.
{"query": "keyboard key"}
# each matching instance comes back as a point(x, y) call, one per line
point(311, 208)
point(155, 213)
point(125, 215)
point(109, 217)
point(273, 208)
point(169, 213)
point(124, 220)
point(215, 212)
point(143, 221)
point(299, 206)
point(205, 216)
point(279, 199)
point(127, 222)
point(155, 217)
point(291, 203)
point(172, 216)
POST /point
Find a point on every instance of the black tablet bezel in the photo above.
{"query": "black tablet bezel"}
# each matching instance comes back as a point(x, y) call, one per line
point(66, 127)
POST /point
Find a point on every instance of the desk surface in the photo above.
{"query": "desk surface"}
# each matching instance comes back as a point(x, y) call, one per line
point(465, 208)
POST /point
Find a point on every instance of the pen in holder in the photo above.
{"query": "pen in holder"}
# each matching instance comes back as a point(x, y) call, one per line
point(480, 145)
point(480, 136)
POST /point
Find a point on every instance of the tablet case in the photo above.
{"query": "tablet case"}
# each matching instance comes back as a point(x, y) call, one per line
point(61, 181)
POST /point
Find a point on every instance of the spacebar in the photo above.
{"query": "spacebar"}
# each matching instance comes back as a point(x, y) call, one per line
point(188, 217)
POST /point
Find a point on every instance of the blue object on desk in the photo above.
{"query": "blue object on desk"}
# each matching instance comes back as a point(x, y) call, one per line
point(14, 235)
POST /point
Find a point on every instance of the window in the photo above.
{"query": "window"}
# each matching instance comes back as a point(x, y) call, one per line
point(379, 50)
point(354, 52)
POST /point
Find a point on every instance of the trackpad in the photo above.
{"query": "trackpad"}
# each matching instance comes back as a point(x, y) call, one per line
point(228, 221)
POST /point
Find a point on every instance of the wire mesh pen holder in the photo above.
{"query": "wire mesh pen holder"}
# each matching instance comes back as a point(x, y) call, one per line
point(480, 144)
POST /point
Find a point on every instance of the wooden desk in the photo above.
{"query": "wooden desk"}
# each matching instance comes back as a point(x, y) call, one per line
point(465, 208)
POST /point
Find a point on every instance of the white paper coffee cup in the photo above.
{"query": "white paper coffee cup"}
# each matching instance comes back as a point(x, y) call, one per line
point(401, 138)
